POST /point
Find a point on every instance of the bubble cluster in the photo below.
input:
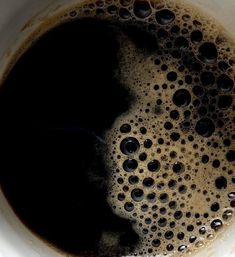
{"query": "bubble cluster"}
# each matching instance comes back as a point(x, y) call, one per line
point(171, 157)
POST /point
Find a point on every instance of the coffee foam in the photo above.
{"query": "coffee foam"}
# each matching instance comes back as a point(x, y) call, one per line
point(201, 207)
point(146, 74)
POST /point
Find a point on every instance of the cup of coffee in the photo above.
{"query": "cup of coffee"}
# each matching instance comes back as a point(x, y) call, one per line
point(117, 131)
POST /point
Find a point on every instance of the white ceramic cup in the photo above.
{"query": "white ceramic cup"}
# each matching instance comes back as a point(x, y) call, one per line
point(15, 239)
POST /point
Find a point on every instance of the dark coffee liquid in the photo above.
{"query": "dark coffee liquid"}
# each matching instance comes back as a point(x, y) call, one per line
point(117, 130)
point(56, 104)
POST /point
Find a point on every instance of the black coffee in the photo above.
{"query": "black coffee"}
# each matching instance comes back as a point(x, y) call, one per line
point(117, 130)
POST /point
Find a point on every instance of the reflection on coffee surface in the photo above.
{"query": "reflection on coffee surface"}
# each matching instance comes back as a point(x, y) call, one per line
point(117, 130)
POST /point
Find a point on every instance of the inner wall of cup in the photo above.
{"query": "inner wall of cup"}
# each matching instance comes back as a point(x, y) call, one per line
point(15, 239)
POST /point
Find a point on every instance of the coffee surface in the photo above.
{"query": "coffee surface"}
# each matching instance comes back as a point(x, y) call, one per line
point(117, 130)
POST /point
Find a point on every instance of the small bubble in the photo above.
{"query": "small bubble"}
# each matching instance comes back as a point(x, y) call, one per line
point(178, 215)
point(162, 222)
point(169, 235)
point(163, 197)
point(227, 215)
point(182, 98)
point(205, 127)
point(170, 247)
point(148, 182)
point(125, 128)
point(154, 166)
point(230, 155)
point(192, 239)
point(142, 9)
point(156, 243)
point(165, 17)
point(137, 194)
point(208, 53)
point(143, 157)
point(225, 83)
point(221, 182)
point(129, 206)
point(216, 224)
point(181, 43)
point(148, 143)
point(130, 165)
point(178, 167)
point(215, 207)
point(129, 145)
point(180, 235)
point(133, 180)
point(196, 36)
point(182, 248)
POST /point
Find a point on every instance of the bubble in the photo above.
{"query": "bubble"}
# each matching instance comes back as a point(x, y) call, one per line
point(130, 165)
point(227, 215)
point(129, 206)
point(112, 9)
point(125, 128)
point(162, 34)
point(172, 183)
point(208, 52)
point(174, 115)
point(133, 180)
point(121, 197)
point(163, 197)
point(124, 13)
point(202, 230)
point(224, 102)
point(181, 43)
point(207, 78)
point(205, 159)
point(223, 65)
point(180, 235)
point(137, 194)
point(168, 125)
point(151, 197)
point(172, 204)
point(144, 207)
point(178, 167)
point(182, 98)
point(183, 189)
point(198, 91)
point(165, 16)
point(230, 155)
point(231, 195)
point(221, 182)
point(215, 207)
point(170, 247)
point(175, 136)
point(216, 224)
point(196, 36)
point(169, 235)
point(148, 182)
point(205, 127)
point(143, 130)
point(190, 228)
point(172, 76)
point(162, 222)
point(148, 143)
point(154, 166)
point(178, 215)
point(216, 163)
point(225, 83)
point(143, 156)
point(156, 243)
point(142, 9)
point(182, 248)
point(129, 145)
